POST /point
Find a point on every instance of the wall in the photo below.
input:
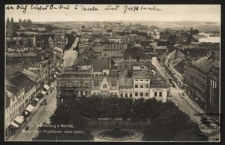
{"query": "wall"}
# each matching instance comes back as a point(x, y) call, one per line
point(158, 90)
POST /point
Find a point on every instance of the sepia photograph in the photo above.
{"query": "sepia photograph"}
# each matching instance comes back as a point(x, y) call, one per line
point(112, 73)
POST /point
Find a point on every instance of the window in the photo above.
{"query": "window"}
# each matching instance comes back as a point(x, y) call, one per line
point(136, 94)
point(146, 86)
point(126, 95)
point(81, 93)
point(136, 86)
point(146, 94)
point(77, 84)
point(155, 94)
point(96, 83)
point(105, 86)
point(130, 95)
point(138, 58)
point(64, 84)
point(121, 95)
point(160, 94)
point(141, 86)
point(72, 84)
point(141, 80)
point(141, 94)
point(114, 83)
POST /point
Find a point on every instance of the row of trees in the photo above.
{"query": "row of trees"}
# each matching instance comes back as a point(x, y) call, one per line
point(25, 23)
point(172, 125)
point(96, 107)
point(166, 121)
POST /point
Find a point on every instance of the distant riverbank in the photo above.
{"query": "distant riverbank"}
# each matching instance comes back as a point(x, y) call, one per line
point(208, 37)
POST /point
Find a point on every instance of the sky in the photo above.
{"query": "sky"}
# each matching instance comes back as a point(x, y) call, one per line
point(165, 13)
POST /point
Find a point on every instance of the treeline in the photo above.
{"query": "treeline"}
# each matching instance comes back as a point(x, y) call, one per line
point(25, 22)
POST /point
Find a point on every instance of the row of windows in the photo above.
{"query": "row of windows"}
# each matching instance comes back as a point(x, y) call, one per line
point(141, 86)
point(156, 94)
point(74, 84)
point(213, 91)
point(125, 95)
point(141, 94)
point(142, 80)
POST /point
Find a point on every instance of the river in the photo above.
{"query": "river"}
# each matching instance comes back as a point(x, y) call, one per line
point(209, 38)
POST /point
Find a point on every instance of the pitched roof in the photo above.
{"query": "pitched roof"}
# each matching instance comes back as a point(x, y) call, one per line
point(161, 47)
point(140, 74)
point(134, 53)
point(126, 82)
point(30, 74)
point(22, 81)
point(98, 64)
point(180, 67)
point(205, 64)
point(157, 81)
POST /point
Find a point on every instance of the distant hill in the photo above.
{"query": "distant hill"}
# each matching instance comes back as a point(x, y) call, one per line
point(185, 25)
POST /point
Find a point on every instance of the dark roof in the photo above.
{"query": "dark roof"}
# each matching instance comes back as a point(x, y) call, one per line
point(22, 81)
point(180, 67)
point(12, 89)
point(205, 64)
point(157, 81)
point(146, 43)
point(98, 64)
point(134, 53)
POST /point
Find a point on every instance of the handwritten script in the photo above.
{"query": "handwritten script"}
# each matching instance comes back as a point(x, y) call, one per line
point(124, 8)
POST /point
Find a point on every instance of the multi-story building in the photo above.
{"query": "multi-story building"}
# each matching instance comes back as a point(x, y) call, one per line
point(60, 39)
point(213, 96)
point(117, 39)
point(13, 98)
point(20, 91)
point(114, 46)
point(196, 79)
point(159, 87)
point(141, 83)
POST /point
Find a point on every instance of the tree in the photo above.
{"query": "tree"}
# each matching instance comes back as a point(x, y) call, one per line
point(195, 31)
point(12, 20)
point(137, 113)
point(20, 21)
point(29, 22)
point(152, 108)
point(191, 31)
point(125, 107)
point(171, 125)
point(7, 22)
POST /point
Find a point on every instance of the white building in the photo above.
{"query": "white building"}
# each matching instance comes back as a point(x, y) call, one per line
point(141, 84)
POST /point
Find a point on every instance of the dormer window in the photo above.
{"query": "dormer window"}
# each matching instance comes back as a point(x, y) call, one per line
point(105, 86)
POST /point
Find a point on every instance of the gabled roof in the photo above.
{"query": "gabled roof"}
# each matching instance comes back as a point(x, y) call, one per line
point(205, 64)
point(180, 67)
point(126, 82)
point(22, 81)
point(97, 64)
point(133, 53)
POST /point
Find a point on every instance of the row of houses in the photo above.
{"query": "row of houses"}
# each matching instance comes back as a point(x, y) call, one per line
point(20, 93)
point(199, 78)
point(132, 77)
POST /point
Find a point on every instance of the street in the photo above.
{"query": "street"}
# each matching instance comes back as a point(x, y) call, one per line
point(42, 115)
point(183, 101)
